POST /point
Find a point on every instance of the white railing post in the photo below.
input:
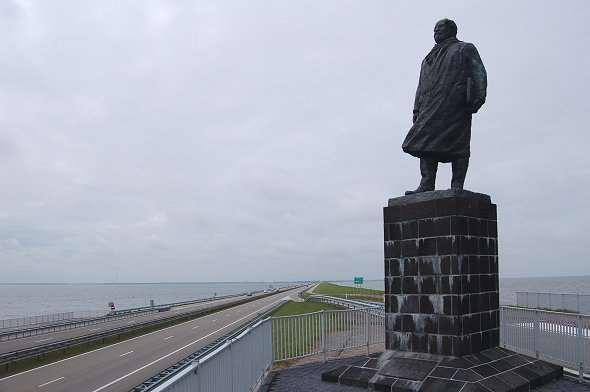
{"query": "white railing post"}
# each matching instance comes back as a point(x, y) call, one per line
point(323, 332)
point(580, 348)
point(536, 333)
point(367, 329)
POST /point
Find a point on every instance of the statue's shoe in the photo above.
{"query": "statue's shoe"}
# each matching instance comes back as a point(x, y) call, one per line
point(418, 190)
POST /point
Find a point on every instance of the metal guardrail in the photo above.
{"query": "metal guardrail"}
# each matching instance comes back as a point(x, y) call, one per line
point(579, 303)
point(238, 364)
point(376, 308)
point(173, 378)
point(9, 357)
point(115, 315)
point(20, 322)
point(561, 338)
point(326, 331)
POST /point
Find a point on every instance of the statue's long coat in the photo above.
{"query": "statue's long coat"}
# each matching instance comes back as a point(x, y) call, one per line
point(452, 86)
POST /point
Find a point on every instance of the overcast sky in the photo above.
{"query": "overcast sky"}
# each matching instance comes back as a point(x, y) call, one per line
point(259, 140)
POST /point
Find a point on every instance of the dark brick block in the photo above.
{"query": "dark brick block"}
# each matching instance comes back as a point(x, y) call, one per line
point(429, 284)
point(409, 248)
point(419, 343)
point(476, 342)
point(449, 325)
point(392, 249)
point(393, 285)
point(473, 265)
point(467, 245)
point(427, 246)
point(410, 230)
point(446, 245)
point(464, 304)
point(492, 228)
point(493, 264)
point(429, 265)
point(459, 225)
point(474, 227)
point(391, 214)
point(446, 344)
point(426, 305)
point(394, 267)
point(409, 304)
point(395, 231)
point(434, 227)
point(410, 285)
point(408, 324)
point(410, 266)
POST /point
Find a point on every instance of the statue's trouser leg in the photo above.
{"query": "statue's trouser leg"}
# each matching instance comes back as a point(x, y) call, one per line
point(460, 166)
point(428, 169)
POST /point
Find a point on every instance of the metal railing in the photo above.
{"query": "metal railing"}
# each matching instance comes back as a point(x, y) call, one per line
point(376, 308)
point(20, 322)
point(239, 365)
point(561, 338)
point(325, 331)
point(579, 303)
point(86, 318)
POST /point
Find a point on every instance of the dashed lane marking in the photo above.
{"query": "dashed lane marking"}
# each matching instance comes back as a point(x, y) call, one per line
point(127, 353)
point(183, 347)
point(43, 340)
point(169, 337)
point(50, 382)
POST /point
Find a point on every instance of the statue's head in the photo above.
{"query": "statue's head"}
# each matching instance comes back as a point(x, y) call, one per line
point(444, 28)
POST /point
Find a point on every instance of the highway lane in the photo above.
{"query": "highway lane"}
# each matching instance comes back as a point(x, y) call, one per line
point(121, 366)
point(37, 340)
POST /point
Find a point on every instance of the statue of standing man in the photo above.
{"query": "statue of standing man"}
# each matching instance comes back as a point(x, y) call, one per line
point(452, 87)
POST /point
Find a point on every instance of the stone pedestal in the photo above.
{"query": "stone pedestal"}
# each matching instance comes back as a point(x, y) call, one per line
point(442, 321)
point(441, 273)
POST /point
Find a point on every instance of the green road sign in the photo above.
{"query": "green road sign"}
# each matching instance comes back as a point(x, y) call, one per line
point(358, 280)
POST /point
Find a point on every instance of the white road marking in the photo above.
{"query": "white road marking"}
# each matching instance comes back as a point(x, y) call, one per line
point(131, 322)
point(214, 320)
point(43, 340)
point(169, 337)
point(195, 327)
point(127, 353)
point(50, 382)
point(113, 345)
point(182, 348)
point(93, 329)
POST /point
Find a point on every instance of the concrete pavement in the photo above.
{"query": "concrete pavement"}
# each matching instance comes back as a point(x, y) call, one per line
point(121, 366)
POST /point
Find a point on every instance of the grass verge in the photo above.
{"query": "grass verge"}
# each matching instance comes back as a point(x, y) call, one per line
point(361, 293)
point(298, 336)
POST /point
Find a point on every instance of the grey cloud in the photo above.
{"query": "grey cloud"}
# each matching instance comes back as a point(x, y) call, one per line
point(174, 140)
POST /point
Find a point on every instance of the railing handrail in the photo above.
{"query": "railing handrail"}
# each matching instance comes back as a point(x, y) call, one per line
point(551, 293)
point(525, 308)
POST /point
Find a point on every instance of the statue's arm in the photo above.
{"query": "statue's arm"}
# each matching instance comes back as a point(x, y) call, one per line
point(479, 78)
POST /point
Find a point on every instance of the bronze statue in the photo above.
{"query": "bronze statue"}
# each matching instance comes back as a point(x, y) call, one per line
point(452, 87)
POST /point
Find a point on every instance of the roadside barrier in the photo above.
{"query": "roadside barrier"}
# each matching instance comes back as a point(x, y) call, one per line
point(241, 363)
point(579, 303)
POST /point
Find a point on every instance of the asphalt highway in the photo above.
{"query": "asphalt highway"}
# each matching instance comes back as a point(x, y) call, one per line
point(123, 365)
point(38, 340)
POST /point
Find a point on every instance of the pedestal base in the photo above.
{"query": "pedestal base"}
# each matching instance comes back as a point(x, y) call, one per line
point(495, 369)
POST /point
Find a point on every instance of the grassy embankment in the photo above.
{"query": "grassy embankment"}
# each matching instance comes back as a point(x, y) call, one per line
point(295, 338)
point(360, 293)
